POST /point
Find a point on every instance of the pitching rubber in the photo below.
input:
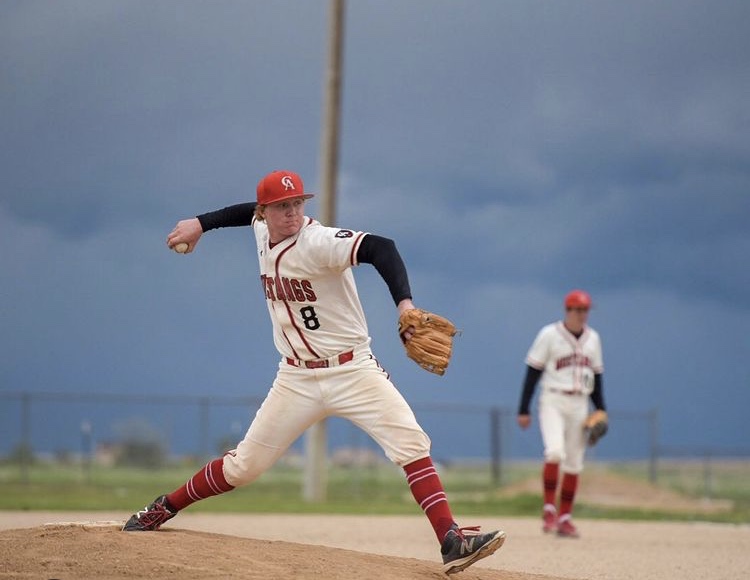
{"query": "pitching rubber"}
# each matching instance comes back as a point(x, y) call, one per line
point(86, 525)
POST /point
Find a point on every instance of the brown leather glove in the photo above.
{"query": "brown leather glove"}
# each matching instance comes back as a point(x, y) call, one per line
point(596, 427)
point(431, 342)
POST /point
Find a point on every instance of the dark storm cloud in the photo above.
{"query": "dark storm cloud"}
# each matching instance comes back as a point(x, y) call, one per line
point(592, 141)
point(110, 109)
point(484, 88)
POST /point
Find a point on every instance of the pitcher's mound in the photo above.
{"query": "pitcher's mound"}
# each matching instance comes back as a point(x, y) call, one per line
point(100, 550)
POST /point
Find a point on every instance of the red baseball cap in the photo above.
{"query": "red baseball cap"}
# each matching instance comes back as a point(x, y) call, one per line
point(280, 185)
point(577, 299)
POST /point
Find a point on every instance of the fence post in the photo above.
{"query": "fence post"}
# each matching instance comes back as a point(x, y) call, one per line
point(496, 445)
point(653, 418)
point(86, 450)
point(25, 451)
point(205, 404)
point(708, 485)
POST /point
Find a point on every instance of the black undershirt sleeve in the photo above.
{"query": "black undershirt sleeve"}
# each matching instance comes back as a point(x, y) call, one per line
point(529, 385)
point(231, 216)
point(382, 253)
point(597, 395)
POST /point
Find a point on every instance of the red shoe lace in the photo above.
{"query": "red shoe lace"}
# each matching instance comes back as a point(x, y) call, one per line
point(467, 531)
point(156, 516)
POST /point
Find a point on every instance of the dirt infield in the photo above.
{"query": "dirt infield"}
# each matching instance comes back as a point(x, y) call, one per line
point(56, 545)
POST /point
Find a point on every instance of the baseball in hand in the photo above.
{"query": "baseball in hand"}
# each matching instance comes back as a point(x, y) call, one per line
point(180, 248)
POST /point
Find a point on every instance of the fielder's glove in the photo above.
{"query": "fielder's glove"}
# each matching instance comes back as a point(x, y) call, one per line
point(431, 342)
point(596, 427)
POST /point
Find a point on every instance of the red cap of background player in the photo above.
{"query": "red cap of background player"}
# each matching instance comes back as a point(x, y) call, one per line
point(280, 185)
point(577, 299)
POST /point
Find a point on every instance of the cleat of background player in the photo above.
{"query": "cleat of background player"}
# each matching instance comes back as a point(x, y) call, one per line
point(549, 518)
point(566, 529)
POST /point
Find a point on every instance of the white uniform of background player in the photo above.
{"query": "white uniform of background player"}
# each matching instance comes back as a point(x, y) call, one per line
point(326, 366)
point(568, 357)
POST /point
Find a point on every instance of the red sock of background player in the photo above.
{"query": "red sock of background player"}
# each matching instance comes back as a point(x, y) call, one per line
point(568, 492)
point(550, 474)
point(205, 483)
point(427, 489)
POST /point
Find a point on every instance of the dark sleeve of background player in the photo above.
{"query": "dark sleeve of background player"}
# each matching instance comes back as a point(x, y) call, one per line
point(529, 384)
point(382, 253)
point(597, 395)
point(229, 217)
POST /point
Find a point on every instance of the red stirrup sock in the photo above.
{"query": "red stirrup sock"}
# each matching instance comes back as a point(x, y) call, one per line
point(550, 473)
point(568, 492)
point(205, 483)
point(427, 489)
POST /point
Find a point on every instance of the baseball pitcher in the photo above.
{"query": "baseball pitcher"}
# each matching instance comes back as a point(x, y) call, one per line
point(326, 367)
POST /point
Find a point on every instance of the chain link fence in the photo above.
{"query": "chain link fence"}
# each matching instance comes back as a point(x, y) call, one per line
point(100, 428)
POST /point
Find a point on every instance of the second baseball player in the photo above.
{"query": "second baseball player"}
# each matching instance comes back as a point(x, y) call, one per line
point(567, 355)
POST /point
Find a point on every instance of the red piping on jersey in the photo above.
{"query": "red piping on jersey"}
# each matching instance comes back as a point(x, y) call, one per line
point(287, 338)
point(273, 305)
point(577, 344)
point(353, 257)
point(288, 308)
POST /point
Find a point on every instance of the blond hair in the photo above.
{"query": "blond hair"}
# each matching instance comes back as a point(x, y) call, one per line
point(259, 211)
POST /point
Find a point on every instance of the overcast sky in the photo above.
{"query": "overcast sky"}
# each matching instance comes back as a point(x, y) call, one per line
point(513, 149)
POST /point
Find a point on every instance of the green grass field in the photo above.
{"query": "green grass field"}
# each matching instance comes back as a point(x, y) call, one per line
point(363, 490)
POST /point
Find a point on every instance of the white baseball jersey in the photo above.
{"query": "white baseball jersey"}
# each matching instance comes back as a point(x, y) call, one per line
point(568, 364)
point(310, 290)
point(316, 314)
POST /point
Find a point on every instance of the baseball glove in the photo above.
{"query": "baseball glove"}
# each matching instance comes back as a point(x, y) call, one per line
point(431, 342)
point(596, 426)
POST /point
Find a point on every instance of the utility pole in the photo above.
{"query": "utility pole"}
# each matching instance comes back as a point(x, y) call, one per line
point(316, 481)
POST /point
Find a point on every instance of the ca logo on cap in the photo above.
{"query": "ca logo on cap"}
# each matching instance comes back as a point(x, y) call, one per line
point(287, 182)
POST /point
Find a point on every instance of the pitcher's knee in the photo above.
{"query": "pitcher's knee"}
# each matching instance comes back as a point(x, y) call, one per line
point(239, 471)
point(409, 451)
